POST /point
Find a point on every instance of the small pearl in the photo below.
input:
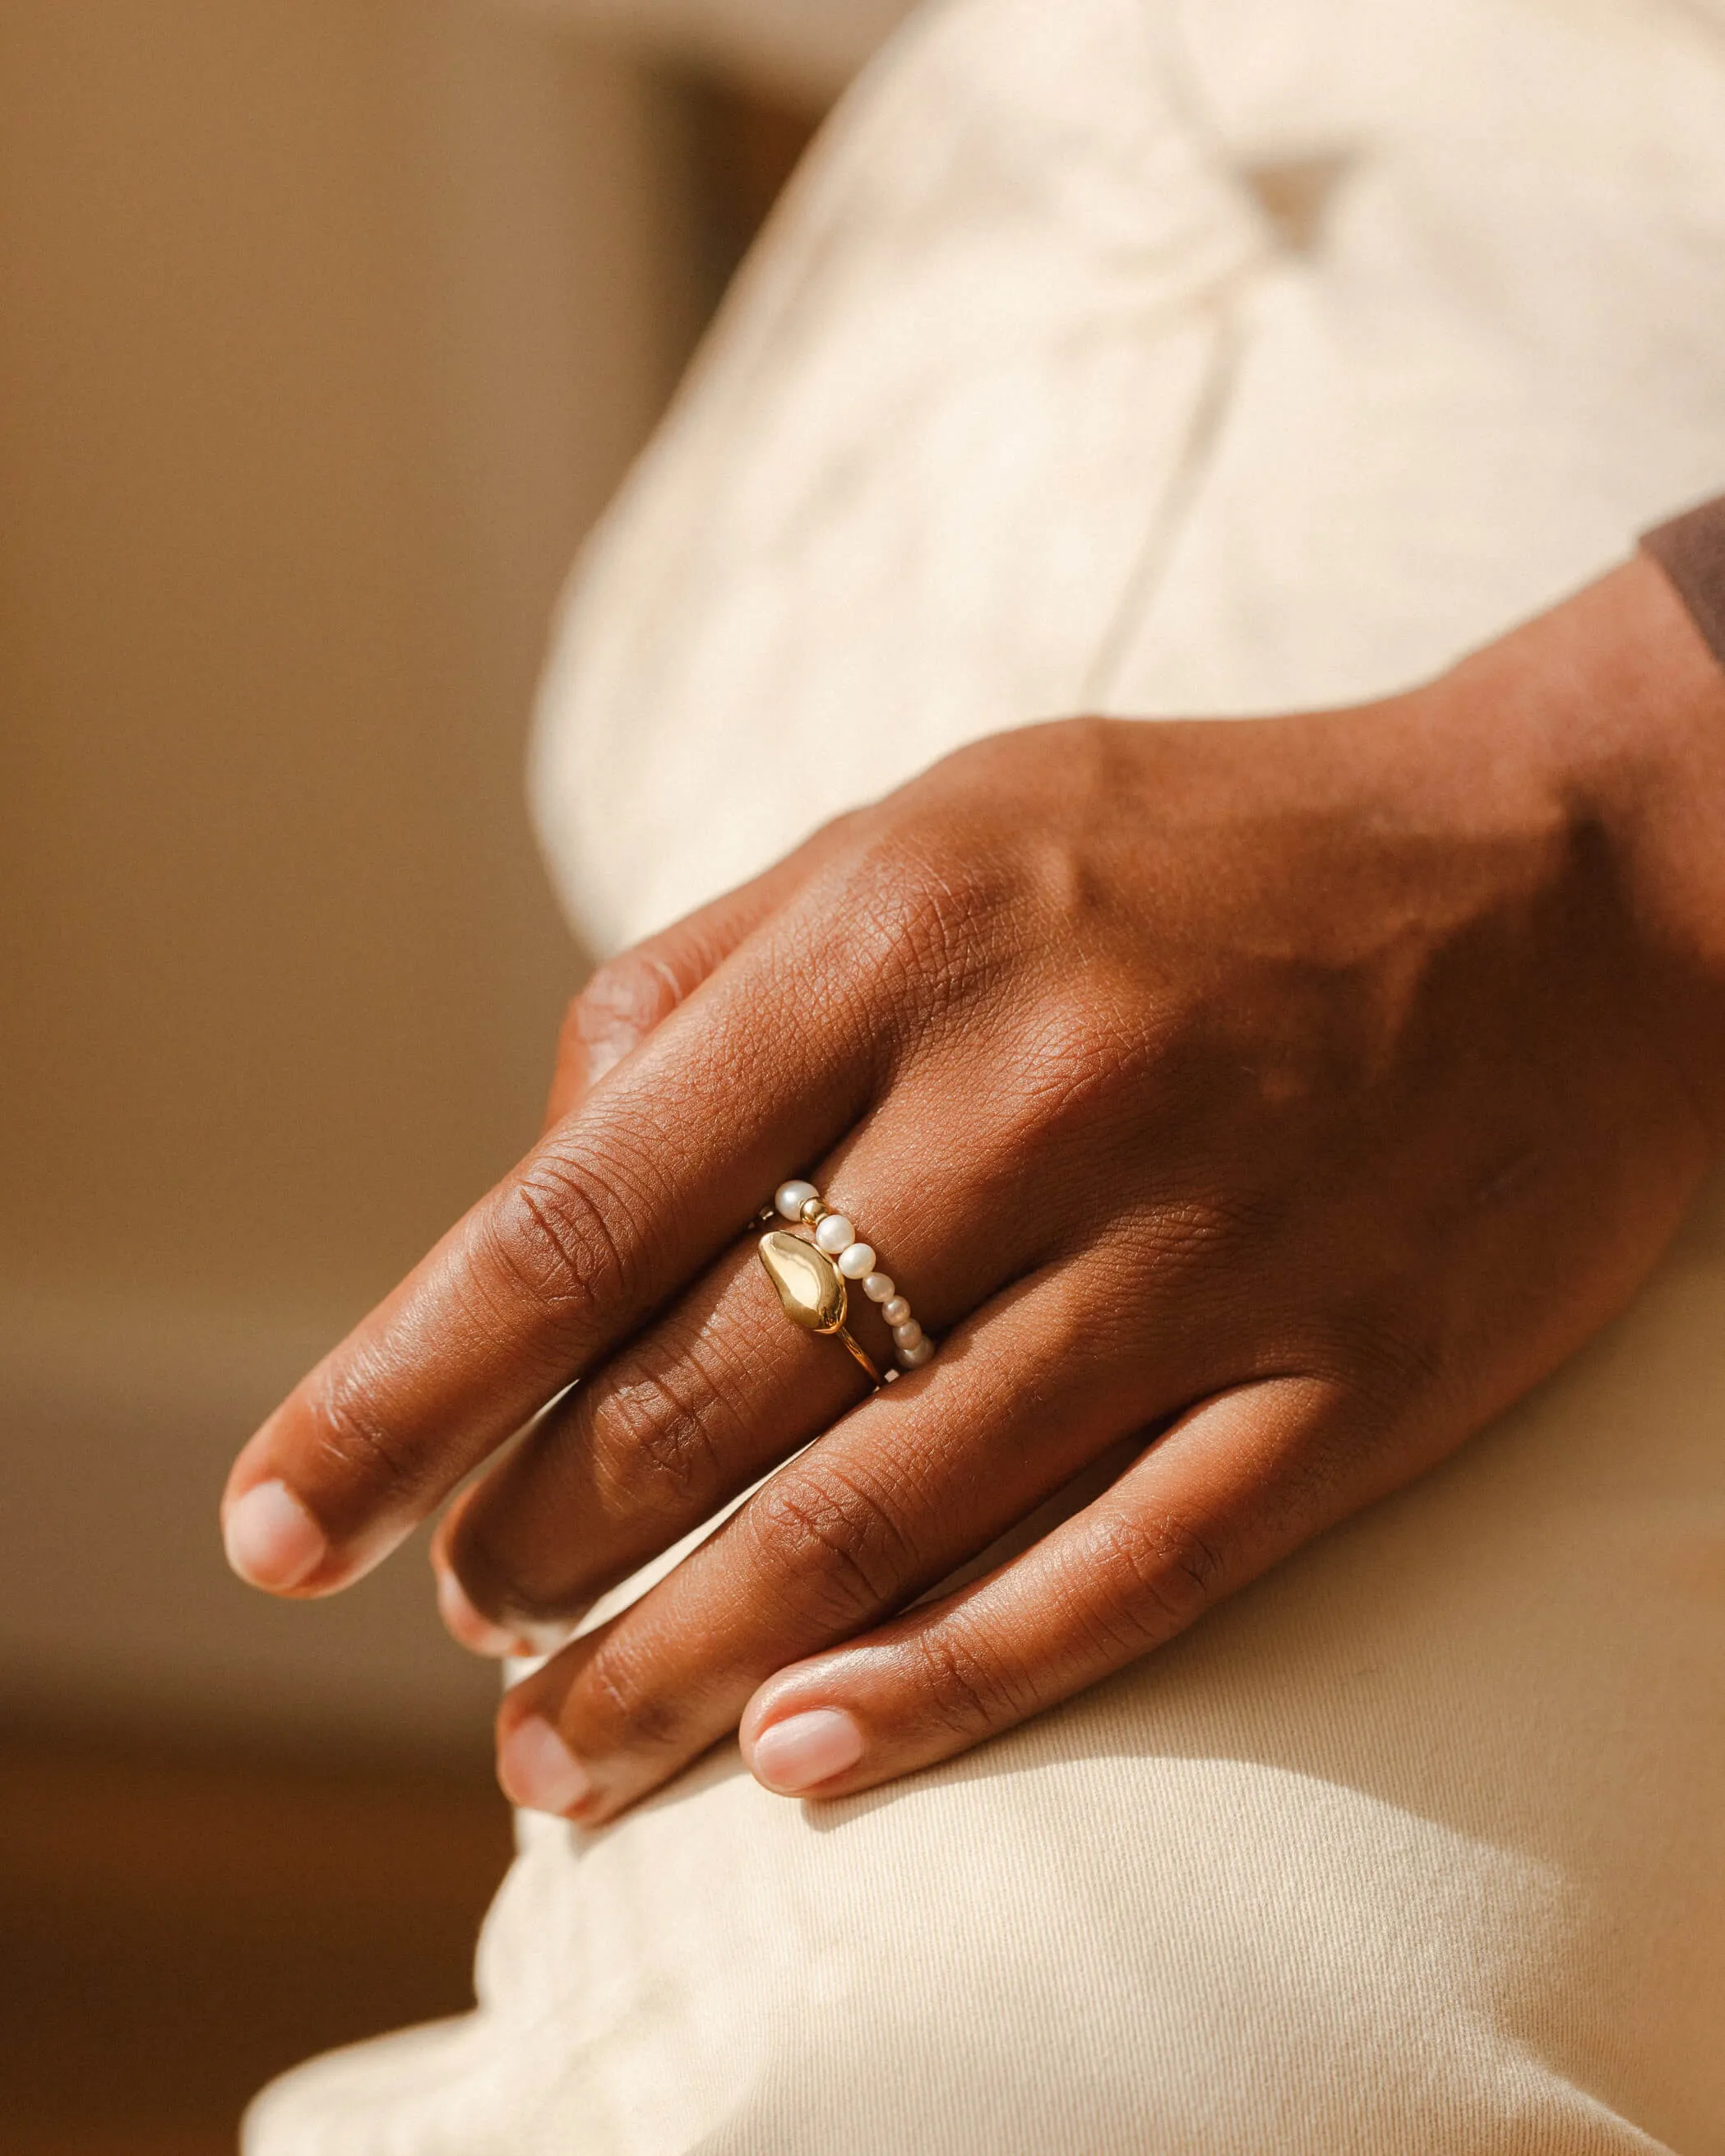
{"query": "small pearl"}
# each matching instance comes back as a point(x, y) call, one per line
point(908, 1335)
point(835, 1234)
point(913, 1358)
point(856, 1262)
point(790, 1198)
point(879, 1287)
point(895, 1309)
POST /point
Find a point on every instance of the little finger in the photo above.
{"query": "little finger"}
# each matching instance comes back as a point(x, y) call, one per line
point(1232, 1488)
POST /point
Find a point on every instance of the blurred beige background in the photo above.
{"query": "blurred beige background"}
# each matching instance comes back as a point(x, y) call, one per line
point(326, 327)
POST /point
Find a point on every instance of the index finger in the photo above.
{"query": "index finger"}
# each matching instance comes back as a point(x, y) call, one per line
point(759, 1072)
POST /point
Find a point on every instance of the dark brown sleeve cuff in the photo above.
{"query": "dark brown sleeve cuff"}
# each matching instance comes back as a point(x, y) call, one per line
point(1691, 550)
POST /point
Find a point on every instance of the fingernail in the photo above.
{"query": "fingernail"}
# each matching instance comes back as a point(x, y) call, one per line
point(477, 1634)
point(538, 1769)
point(795, 1755)
point(271, 1540)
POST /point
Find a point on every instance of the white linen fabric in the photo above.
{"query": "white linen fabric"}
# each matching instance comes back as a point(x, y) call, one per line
point(1024, 407)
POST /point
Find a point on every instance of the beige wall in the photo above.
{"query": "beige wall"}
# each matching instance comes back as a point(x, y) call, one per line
point(326, 326)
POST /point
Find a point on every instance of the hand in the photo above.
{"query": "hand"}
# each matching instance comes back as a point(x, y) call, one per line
point(1252, 1109)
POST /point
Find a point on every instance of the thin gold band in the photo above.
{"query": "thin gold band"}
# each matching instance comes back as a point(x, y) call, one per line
point(862, 1356)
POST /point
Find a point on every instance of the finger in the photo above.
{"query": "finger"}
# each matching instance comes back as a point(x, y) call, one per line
point(1237, 1484)
point(676, 1424)
point(651, 1447)
point(917, 1480)
point(628, 995)
point(702, 1403)
point(614, 1209)
point(470, 1627)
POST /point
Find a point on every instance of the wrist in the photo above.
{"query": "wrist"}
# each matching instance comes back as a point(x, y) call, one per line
point(1615, 702)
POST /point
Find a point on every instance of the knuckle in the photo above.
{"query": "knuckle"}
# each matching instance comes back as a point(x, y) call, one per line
point(1152, 1575)
point(1075, 1059)
point(349, 1437)
point(840, 1543)
point(558, 1234)
point(614, 1705)
point(1207, 1243)
point(1386, 1342)
point(656, 1434)
point(947, 928)
point(944, 924)
point(959, 1685)
point(921, 924)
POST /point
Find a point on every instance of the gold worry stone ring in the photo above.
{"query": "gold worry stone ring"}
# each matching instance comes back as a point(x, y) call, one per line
point(814, 1263)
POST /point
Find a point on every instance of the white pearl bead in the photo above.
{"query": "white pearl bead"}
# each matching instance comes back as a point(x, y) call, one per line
point(907, 1335)
point(913, 1358)
point(879, 1287)
point(790, 1198)
point(895, 1309)
point(858, 1260)
point(833, 1235)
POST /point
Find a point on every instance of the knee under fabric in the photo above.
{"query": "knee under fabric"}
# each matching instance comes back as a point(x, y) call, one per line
point(1025, 406)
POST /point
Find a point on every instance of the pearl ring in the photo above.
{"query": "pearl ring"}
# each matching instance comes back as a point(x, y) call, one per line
point(812, 1273)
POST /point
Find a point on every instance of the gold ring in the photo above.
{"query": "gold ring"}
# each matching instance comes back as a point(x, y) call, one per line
point(812, 1272)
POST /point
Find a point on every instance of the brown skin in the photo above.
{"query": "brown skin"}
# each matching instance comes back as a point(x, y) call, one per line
point(1252, 1110)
